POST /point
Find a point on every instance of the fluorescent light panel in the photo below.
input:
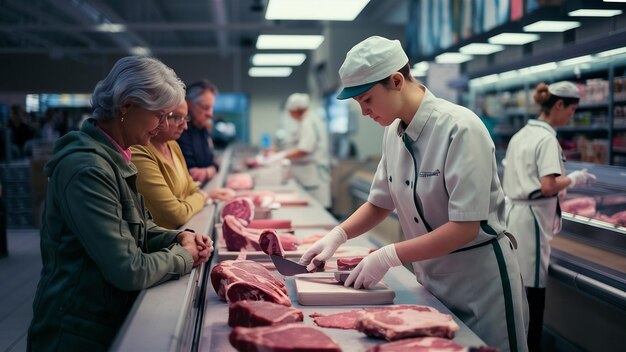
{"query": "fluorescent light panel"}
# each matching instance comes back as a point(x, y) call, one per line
point(329, 10)
point(551, 26)
point(270, 71)
point(543, 67)
point(452, 58)
point(513, 38)
point(481, 49)
point(275, 41)
point(594, 13)
point(576, 60)
point(278, 59)
point(612, 52)
point(140, 51)
point(509, 74)
point(110, 27)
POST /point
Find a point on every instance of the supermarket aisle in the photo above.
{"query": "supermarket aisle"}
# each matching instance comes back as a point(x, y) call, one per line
point(19, 274)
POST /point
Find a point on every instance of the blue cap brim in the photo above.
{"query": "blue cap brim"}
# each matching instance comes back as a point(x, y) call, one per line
point(351, 92)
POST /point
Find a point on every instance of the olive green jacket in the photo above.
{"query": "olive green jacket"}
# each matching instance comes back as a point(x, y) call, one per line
point(98, 246)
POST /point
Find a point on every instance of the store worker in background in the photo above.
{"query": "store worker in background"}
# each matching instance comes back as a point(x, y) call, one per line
point(534, 176)
point(98, 247)
point(307, 149)
point(195, 142)
point(171, 195)
point(438, 171)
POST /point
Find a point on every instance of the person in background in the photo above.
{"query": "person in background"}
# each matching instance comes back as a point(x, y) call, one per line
point(195, 142)
point(171, 195)
point(307, 149)
point(534, 176)
point(438, 171)
point(98, 246)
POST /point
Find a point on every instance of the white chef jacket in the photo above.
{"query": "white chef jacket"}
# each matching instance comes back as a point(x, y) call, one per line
point(442, 168)
point(312, 171)
point(533, 152)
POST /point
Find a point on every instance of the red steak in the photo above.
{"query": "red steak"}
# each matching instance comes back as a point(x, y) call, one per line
point(238, 280)
point(294, 337)
point(261, 313)
point(409, 321)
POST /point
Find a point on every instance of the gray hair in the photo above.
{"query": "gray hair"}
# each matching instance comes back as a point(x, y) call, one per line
point(195, 90)
point(144, 81)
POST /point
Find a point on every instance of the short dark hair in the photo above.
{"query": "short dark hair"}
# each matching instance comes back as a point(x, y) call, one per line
point(196, 89)
point(405, 71)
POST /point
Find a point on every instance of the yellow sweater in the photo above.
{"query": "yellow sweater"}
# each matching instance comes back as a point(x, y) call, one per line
point(172, 198)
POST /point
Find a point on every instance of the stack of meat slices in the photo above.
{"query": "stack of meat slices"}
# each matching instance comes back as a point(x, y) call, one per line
point(240, 237)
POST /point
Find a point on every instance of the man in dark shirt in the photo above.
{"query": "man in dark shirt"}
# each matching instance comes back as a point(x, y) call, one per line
point(195, 142)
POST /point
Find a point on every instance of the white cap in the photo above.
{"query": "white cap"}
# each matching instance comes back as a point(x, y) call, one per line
point(368, 62)
point(564, 89)
point(297, 101)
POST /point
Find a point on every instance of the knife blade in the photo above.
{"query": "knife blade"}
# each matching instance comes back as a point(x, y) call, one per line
point(287, 267)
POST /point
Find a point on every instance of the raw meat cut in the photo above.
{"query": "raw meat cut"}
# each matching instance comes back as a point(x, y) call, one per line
point(606, 218)
point(348, 263)
point(239, 181)
point(270, 224)
point(285, 337)
point(426, 344)
point(241, 208)
point(270, 243)
point(409, 321)
point(619, 218)
point(239, 237)
point(347, 320)
point(584, 206)
point(343, 320)
point(238, 280)
point(261, 313)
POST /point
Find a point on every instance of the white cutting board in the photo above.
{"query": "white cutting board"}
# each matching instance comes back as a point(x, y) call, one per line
point(326, 291)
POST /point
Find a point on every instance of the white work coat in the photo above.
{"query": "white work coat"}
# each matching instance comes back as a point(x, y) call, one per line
point(312, 171)
point(534, 219)
point(442, 168)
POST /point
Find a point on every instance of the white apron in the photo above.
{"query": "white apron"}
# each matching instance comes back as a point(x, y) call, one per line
point(534, 223)
point(312, 171)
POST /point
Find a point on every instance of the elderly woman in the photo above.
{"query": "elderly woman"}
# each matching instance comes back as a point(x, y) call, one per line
point(99, 248)
point(171, 195)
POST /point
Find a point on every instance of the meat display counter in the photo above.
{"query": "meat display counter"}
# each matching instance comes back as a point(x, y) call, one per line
point(186, 314)
point(592, 243)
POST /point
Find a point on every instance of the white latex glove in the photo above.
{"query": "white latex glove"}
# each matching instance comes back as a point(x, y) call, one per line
point(581, 177)
point(324, 248)
point(373, 267)
point(272, 158)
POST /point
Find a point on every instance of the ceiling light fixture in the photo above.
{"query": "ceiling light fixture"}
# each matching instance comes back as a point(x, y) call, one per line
point(452, 58)
point(594, 13)
point(513, 38)
point(576, 60)
point(509, 74)
point(270, 71)
point(481, 49)
point(140, 51)
point(551, 26)
point(278, 59)
point(110, 27)
point(329, 10)
point(543, 67)
point(275, 41)
point(612, 52)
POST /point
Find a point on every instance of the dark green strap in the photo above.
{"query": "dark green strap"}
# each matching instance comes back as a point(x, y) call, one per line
point(537, 246)
point(408, 146)
point(508, 296)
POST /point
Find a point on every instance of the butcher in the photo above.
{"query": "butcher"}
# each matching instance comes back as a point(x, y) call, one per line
point(534, 175)
point(438, 171)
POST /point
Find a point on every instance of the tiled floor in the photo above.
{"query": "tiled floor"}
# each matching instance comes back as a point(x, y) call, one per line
point(19, 275)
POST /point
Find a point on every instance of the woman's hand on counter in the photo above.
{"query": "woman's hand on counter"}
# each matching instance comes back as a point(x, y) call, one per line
point(199, 246)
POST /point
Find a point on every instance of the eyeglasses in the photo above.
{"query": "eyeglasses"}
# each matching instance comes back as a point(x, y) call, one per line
point(179, 119)
point(164, 117)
